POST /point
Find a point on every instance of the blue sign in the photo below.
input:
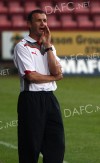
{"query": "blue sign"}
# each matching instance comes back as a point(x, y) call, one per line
point(83, 66)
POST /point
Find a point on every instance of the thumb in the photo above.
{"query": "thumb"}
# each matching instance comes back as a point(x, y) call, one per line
point(41, 38)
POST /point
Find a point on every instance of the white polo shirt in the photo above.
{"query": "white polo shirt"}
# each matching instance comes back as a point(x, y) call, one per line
point(28, 57)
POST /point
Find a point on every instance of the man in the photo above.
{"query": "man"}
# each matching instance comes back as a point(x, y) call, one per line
point(40, 127)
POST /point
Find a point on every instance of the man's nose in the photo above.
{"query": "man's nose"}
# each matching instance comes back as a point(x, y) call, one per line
point(42, 22)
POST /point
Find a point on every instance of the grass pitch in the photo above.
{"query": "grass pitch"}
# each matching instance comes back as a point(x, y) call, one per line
point(80, 105)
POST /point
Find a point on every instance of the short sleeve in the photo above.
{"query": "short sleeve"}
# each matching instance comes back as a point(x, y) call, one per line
point(23, 60)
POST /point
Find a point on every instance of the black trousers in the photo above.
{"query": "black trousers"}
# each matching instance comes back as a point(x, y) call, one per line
point(40, 128)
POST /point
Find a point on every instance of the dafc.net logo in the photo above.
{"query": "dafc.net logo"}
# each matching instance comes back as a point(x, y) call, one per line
point(64, 7)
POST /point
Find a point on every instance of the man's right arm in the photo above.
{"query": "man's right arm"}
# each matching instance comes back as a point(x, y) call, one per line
point(37, 78)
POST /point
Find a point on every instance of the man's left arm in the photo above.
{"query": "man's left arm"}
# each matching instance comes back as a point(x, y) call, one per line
point(54, 65)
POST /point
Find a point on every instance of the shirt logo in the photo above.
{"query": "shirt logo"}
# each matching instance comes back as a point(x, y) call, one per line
point(33, 53)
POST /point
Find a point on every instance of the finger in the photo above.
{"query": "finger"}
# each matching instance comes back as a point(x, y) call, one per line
point(41, 38)
point(47, 29)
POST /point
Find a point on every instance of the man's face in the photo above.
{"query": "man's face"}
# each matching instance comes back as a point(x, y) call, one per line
point(38, 23)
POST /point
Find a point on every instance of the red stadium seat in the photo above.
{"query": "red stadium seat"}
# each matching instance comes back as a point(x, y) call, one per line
point(68, 22)
point(3, 8)
point(47, 7)
point(4, 21)
point(65, 7)
point(29, 6)
point(14, 7)
point(18, 21)
point(96, 19)
point(84, 22)
point(53, 22)
point(81, 7)
point(95, 7)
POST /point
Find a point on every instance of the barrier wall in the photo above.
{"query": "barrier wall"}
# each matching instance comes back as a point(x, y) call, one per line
point(79, 50)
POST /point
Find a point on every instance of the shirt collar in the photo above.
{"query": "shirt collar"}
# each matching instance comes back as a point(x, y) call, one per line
point(28, 38)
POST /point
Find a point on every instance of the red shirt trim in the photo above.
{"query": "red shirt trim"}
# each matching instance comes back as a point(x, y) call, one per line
point(28, 72)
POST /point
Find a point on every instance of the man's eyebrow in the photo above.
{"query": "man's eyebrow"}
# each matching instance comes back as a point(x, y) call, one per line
point(45, 19)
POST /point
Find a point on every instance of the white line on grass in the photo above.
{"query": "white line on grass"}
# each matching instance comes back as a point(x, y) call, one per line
point(15, 147)
point(8, 145)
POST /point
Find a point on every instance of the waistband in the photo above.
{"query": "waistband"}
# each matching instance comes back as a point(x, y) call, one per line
point(38, 92)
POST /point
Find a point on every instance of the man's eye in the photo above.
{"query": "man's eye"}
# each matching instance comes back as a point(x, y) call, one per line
point(45, 20)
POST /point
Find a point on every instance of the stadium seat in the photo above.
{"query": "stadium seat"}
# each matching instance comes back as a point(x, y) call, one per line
point(29, 6)
point(3, 8)
point(96, 19)
point(81, 7)
point(4, 22)
point(14, 7)
point(65, 7)
point(18, 21)
point(95, 7)
point(67, 21)
point(84, 22)
point(53, 22)
point(47, 7)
